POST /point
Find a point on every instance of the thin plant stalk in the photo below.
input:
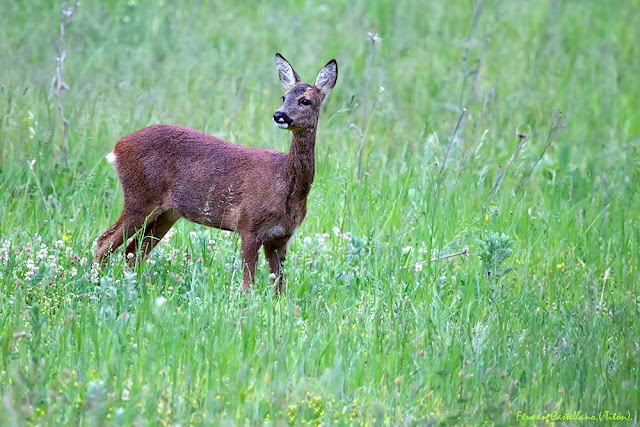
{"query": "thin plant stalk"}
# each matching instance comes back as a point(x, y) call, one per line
point(522, 137)
point(361, 132)
point(556, 127)
point(473, 137)
point(66, 15)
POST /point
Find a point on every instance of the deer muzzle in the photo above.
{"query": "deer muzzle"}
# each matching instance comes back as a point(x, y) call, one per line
point(281, 119)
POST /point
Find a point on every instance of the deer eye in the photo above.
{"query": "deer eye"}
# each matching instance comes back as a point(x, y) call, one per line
point(305, 101)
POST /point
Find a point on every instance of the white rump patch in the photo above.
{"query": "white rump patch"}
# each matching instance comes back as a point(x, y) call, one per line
point(111, 158)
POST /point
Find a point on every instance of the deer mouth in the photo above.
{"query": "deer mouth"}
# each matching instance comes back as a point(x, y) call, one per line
point(282, 120)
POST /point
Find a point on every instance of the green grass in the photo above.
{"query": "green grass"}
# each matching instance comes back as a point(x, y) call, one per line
point(363, 338)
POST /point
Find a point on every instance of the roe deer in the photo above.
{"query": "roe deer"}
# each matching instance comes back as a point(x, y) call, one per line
point(168, 172)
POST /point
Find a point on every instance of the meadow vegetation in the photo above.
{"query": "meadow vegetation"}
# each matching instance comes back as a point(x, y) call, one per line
point(534, 186)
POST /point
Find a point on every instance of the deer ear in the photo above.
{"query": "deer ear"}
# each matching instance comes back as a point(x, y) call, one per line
point(288, 76)
point(327, 77)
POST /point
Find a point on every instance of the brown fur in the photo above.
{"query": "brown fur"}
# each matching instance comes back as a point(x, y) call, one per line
point(168, 172)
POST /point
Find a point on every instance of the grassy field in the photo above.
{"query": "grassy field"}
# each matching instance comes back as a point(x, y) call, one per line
point(537, 322)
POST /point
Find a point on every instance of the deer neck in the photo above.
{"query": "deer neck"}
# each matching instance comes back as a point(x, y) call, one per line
point(300, 164)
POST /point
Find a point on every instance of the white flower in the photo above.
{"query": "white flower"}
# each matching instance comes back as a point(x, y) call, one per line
point(307, 240)
point(336, 231)
point(321, 241)
point(95, 272)
point(42, 254)
point(160, 301)
point(406, 250)
point(272, 276)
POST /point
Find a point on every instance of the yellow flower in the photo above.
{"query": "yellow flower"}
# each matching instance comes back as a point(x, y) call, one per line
point(560, 265)
point(65, 238)
point(486, 217)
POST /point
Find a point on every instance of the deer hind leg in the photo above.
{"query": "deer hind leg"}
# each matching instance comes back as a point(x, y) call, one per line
point(125, 227)
point(109, 241)
point(275, 254)
point(154, 232)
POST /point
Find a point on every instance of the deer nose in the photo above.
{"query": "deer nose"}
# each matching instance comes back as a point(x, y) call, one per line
point(282, 119)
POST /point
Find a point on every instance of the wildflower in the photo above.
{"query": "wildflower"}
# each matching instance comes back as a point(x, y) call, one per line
point(42, 254)
point(321, 241)
point(373, 37)
point(307, 240)
point(272, 276)
point(406, 250)
point(58, 244)
point(94, 274)
point(336, 231)
point(160, 301)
